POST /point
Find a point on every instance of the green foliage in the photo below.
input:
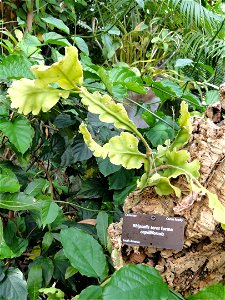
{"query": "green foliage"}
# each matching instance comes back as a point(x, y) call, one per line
point(216, 291)
point(63, 168)
point(84, 253)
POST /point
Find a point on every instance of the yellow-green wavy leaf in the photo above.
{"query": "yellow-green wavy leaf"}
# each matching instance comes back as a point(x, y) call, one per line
point(163, 186)
point(107, 109)
point(28, 97)
point(123, 150)
point(67, 73)
point(97, 150)
point(184, 133)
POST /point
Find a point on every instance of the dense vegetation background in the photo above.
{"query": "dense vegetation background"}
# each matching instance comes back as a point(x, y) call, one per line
point(57, 199)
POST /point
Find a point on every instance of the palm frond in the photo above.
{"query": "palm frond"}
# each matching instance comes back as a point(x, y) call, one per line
point(193, 13)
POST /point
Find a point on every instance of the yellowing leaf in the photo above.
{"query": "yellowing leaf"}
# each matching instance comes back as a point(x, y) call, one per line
point(217, 207)
point(67, 73)
point(184, 133)
point(123, 150)
point(163, 185)
point(97, 150)
point(107, 109)
point(29, 97)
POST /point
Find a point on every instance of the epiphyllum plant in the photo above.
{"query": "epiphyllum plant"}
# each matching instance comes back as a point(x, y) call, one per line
point(160, 166)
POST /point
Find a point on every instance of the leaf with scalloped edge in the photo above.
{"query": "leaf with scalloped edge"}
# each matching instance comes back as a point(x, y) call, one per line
point(179, 159)
point(97, 150)
point(163, 186)
point(184, 133)
point(67, 73)
point(107, 109)
point(28, 97)
point(123, 150)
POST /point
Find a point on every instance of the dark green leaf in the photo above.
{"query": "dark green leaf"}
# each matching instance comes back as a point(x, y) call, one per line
point(102, 223)
point(63, 121)
point(11, 245)
point(47, 267)
point(136, 282)
point(84, 253)
point(34, 281)
point(76, 152)
point(17, 201)
point(106, 167)
point(120, 179)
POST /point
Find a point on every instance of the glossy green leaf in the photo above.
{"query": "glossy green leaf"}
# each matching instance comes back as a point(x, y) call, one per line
point(136, 282)
point(108, 110)
point(47, 240)
point(123, 150)
point(102, 223)
point(91, 292)
point(49, 211)
point(211, 292)
point(84, 252)
point(13, 286)
point(17, 201)
point(34, 281)
point(57, 23)
point(67, 73)
point(19, 132)
point(8, 181)
point(29, 97)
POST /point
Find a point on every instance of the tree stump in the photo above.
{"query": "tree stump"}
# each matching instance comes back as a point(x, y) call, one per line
point(201, 262)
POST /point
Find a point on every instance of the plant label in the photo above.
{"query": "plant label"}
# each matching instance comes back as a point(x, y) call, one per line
point(153, 231)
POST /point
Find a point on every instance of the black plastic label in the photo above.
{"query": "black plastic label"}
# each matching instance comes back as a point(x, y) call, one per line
point(153, 231)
